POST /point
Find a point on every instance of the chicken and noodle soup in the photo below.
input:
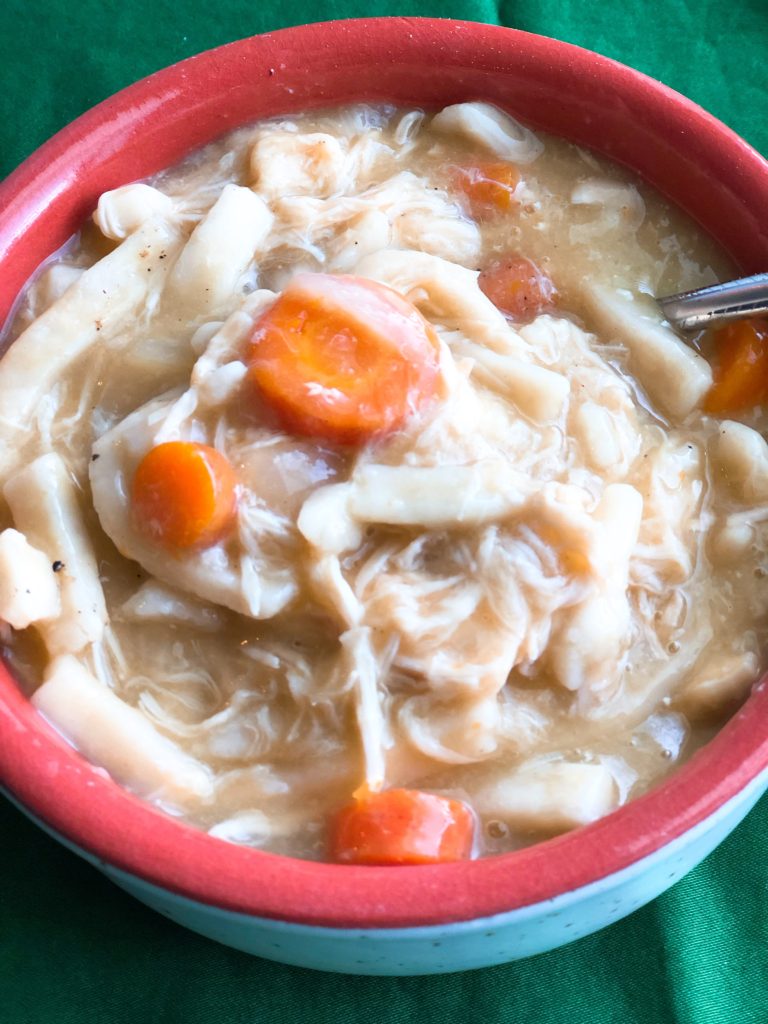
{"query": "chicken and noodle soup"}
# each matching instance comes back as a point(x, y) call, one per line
point(360, 505)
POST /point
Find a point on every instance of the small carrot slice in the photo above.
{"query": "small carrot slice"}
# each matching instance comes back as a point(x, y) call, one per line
point(517, 287)
point(741, 374)
point(402, 826)
point(489, 188)
point(183, 494)
point(343, 358)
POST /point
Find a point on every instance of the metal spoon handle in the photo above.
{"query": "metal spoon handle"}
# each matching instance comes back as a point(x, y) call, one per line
point(746, 297)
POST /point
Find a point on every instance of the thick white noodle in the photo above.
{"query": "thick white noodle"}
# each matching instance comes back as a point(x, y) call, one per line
point(435, 496)
point(741, 456)
point(45, 508)
point(99, 303)
point(675, 377)
point(115, 736)
point(491, 128)
point(121, 211)
point(28, 589)
point(549, 796)
point(206, 276)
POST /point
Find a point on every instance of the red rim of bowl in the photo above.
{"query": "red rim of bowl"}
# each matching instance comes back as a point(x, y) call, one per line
point(553, 86)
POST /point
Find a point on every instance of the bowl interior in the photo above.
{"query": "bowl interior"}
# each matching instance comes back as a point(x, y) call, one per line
point(696, 161)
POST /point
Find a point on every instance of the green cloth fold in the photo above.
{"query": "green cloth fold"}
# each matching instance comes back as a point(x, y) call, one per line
point(73, 948)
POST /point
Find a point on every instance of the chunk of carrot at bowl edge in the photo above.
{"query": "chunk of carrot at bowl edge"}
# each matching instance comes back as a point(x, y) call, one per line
point(517, 287)
point(183, 494)
point(343, 358)
point(489, 188)
point(402, 826)
point(741, 374)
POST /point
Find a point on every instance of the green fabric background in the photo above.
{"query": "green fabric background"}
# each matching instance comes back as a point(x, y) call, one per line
point(75, 949)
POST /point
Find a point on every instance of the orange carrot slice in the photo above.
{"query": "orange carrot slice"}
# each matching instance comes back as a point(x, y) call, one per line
point(517, 287)
point(183, 494)
point(489, 188)
point(343, 358)
point(741, 374)
point(402, 826)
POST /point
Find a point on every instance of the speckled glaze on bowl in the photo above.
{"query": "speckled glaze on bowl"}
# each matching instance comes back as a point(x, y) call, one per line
point(414, 920)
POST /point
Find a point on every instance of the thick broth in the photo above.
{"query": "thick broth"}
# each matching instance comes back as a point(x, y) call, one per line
point(267, 705)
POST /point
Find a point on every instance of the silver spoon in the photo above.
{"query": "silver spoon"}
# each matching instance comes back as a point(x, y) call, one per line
point(748, 296)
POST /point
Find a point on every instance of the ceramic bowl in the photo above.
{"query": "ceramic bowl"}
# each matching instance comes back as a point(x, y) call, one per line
point(407, 920)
